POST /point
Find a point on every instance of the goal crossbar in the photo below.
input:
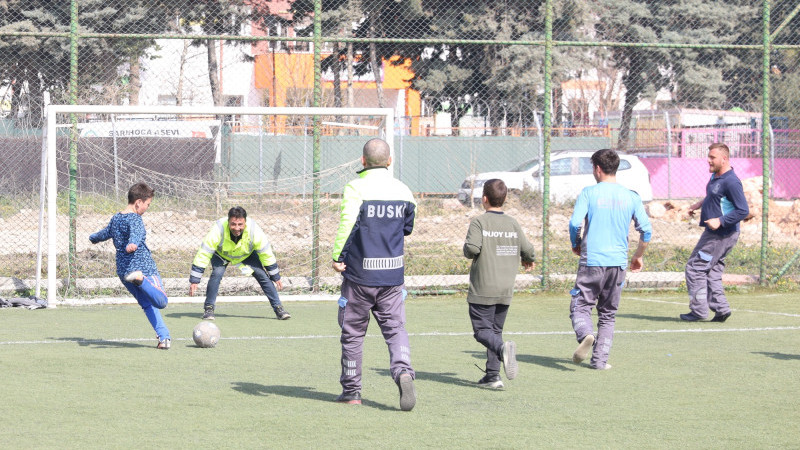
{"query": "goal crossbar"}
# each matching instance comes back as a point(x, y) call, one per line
point(51, 140)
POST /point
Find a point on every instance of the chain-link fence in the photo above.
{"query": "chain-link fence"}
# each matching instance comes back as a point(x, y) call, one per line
point(524, 91)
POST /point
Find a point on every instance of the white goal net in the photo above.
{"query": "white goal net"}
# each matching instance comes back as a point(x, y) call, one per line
point(201, 162)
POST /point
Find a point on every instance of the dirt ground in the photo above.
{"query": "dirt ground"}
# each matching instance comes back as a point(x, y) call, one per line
point(441, 221)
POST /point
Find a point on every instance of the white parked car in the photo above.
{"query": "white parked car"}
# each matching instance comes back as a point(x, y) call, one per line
point(570, 172)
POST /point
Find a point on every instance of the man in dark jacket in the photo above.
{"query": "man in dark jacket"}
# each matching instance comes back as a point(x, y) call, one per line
point(723, 207)
point(377, 212)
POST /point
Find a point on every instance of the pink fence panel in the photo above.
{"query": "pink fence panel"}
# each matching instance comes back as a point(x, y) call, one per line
point(687, 177)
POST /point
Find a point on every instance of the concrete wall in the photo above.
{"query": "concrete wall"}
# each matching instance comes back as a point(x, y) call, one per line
point(435, 165)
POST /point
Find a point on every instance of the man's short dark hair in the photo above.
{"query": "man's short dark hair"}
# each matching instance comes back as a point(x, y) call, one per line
point(140, 191)
point(238, 212)
point(719, 145)
point(495, 191)
point(607, 160)
point(376, 153)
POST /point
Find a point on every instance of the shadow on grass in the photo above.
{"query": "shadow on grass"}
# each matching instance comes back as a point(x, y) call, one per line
point(563, 364)
point(780, 356)
point(439, 377)
point(301, 392)
point(650, 318)
point(199, 316)
point(101, 343)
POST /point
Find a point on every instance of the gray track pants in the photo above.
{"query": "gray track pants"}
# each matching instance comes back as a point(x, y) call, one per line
point(387, 305)
point(596, 287)
point(704, 274)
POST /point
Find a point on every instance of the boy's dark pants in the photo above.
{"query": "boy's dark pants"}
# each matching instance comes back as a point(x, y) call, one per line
point(487, 324)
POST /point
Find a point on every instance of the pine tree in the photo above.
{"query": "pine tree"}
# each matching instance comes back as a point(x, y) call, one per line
point(35, 66)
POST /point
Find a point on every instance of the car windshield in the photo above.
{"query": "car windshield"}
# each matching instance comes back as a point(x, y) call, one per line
point(526, 166)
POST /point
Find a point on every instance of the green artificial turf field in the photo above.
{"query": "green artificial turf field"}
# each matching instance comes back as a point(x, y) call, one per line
point(90, 377)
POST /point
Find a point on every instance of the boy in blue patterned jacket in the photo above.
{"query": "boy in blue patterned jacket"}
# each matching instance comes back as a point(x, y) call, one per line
point(135, 266)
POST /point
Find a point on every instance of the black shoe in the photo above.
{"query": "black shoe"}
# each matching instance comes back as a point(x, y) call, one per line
point(351, 398)
point(408, 397)
point(491, 381)
point(721, 317)
point(690, 317)
point(281, 313)
point(209, 313)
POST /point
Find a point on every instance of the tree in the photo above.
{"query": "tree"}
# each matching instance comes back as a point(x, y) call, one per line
point(35, 66)
point(785, 67)
point(631, 22)
point(215, 18)
point(338, 19)
point(704, 77)
point(363, 19)
point(451, 77)
point(695, 77)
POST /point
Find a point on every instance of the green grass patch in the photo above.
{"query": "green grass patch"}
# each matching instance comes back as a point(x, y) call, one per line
point(90, 377)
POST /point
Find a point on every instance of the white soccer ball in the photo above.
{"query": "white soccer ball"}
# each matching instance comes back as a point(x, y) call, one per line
point(206, 334)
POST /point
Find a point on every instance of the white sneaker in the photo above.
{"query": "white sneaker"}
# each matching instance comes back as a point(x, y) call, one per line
point(510, 359)
point(164, 344)
point(136, 277)
point(584, 349)
point(606, 367)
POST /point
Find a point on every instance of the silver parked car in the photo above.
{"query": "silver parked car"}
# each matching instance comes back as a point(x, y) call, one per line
point(570, 172)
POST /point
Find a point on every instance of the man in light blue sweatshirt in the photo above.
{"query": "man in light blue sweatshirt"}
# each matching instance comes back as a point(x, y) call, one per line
point(605, 211)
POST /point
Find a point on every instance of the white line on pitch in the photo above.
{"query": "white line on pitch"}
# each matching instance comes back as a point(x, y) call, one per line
point(771, 313)
point(433, 333)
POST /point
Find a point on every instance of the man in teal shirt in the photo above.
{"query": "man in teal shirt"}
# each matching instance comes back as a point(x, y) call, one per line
point(605, 211)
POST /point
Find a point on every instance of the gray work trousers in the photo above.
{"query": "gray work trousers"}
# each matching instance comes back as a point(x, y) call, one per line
point(387, 305)
point(704, 274)
point(598, 287)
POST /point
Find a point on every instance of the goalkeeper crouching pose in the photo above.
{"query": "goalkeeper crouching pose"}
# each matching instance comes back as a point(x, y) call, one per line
point(240, 242)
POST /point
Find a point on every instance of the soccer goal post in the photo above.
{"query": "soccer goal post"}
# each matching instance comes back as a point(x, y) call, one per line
point(285, 166)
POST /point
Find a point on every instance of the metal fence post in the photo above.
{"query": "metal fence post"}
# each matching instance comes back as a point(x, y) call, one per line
point(73, 145)
point(315, 187)
point(762, 271)
point(669, 154)
point(548, 92)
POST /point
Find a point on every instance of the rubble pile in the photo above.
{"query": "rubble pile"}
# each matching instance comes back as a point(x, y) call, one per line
point(784, 215)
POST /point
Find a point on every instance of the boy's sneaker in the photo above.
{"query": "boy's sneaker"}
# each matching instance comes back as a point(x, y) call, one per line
point(584, 349)
point(135, 277)
point(209, 313)
point(491, 381)
point(164, 344)
point(351, 398)
point(282, 314)
point(408, 397)
point(510, 359)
